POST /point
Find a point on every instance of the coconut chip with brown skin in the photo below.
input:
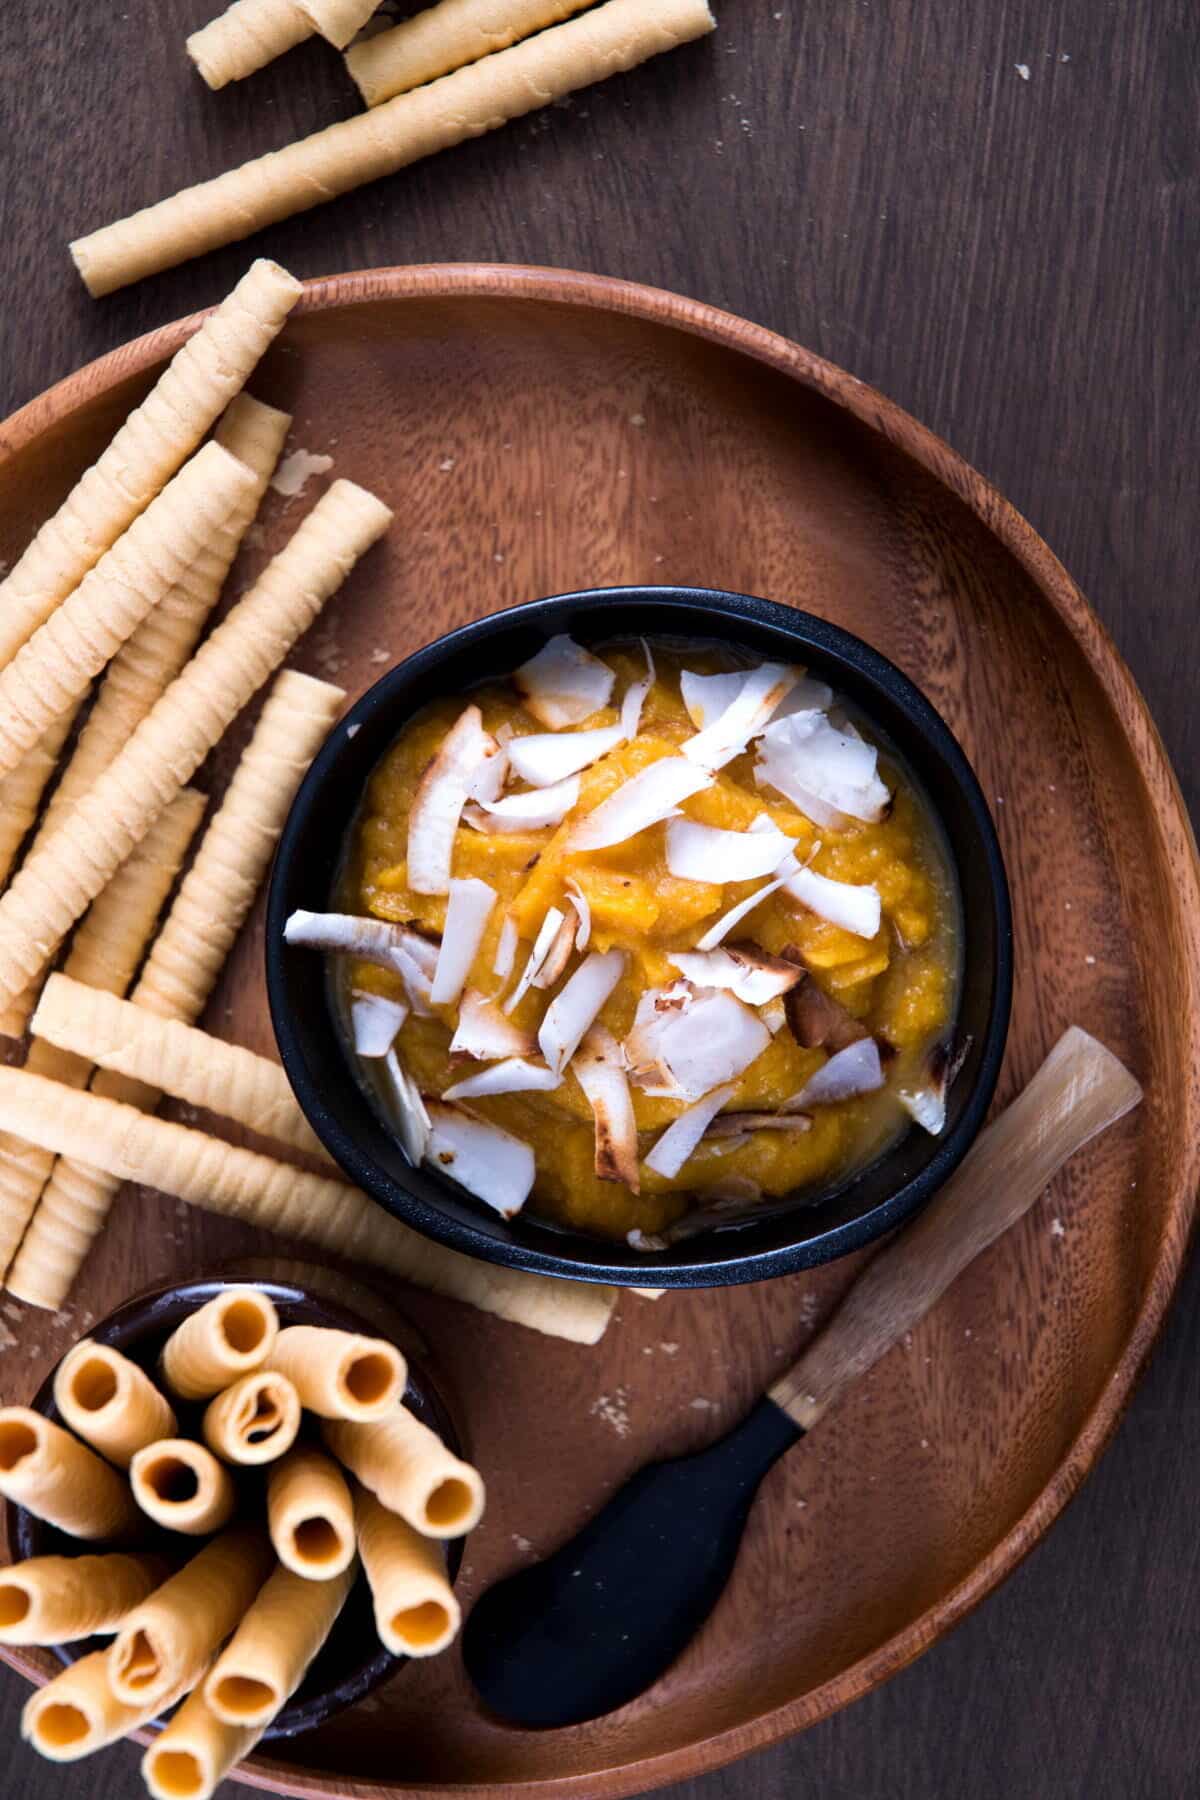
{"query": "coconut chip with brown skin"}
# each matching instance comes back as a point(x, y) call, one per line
point(600, 1069)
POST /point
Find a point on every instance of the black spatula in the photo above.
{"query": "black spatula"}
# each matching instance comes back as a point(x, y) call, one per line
point(597, 1622)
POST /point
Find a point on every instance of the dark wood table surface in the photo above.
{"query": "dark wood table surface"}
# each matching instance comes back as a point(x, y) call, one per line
point(990, 209)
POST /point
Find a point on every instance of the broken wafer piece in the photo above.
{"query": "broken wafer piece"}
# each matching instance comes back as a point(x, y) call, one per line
point(246, 36)
point(337, 20)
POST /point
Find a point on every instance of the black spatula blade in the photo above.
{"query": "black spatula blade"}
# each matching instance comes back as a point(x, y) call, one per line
point(596, 1623)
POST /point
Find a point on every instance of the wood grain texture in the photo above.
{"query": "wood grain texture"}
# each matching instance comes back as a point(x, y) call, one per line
point(1014, 261)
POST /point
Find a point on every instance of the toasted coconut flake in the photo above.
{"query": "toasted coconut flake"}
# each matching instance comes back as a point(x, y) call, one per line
point(558, 955)
point(827, 773)
point(467, 914)
point(746, 970)
point(390, 946)
point(774, 1016)
point(635, 696)
point(853, 1071)
point(725, 924)
point(551, 757)
point(645, 1241)
point(579, 901)
point(747, 714)
point(506, 948)
point(409, 1110)
point(854, 908)
point(600, 1069)
point(542, 946)
point(513, 1076)
point(818, 1021)
point(564, 684)
point(696, 1047)
point(491, 1164)
point(677, 1143)
point(374, 1022)
point(648, 797)
point(741, 1125)
point(531, 811)
point(484, 1033)
point(439, 800)
point(491, 776)
point(575, 1007)
point(927, 1104)
point(706, 853)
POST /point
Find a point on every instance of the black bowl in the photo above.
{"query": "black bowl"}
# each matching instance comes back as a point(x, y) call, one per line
point(781, 1236)
point(352, 1662)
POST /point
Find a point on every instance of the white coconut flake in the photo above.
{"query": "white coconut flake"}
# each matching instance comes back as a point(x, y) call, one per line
point(706, 853)
point(564, 684)
point(677, 1143)
point(441, 795)
point(485, 1034)
point(827, 773)
point(542, 946)
point(706, 697)
point(390, 946)
point(374, 1022)
point(600, 1070)
point(853, 1071)
point(491, 1164)
point(808, 695)
point(579, 901)
point(409, 1110)
point(488, 783)
point(648, 797)
point(467, 914)
point(550, 757)
point(747, 971)
point(773, 1016)
point(926, 1106)
point(635, 696)
point(513, 1076)
point(856, 909)
point(575, 1007)
point(692, 1044)
point(558, 955)
point(747, 714)
point(532, 811)
point(506, 948)
point(725, 924)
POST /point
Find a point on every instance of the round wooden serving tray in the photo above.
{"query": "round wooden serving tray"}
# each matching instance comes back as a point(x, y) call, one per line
point(538, 431)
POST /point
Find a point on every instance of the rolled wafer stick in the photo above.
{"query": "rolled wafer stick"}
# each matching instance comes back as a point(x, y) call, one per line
point(410, 1471)
point(54, 886)
point(194, 1752)
point(56, 1478)
point(310, 1514)
point(51, 673)
point(445, 37)
point(338, 1374)
point(269, 1654)
point(109, 1402)
point(166, 1642)
point(462, 105)
point(108, 948)
point(255, 1420)
point(22, 788)
point(187, 956)
point(78, 1713)
point(315, 1209)
point(245, 37)
point(182, 1060)
point(58, 1599)
point(181, 1486)
point(230, 1336)
point(416, 1613)
point(155, 440)
point(337, 20)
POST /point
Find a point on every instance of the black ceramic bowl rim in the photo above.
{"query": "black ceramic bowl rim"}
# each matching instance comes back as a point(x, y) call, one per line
point(781, 1238)
point(146, 1316)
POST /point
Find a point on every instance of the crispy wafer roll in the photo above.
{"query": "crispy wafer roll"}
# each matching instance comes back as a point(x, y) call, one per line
point(109, 1402)
point(462, 105)
point(271, 1649)
point(181, 1059)
point(416, 1613)
point(337, 20)
point(410, 1471)
point(155, 440)
point(314, 1209)
point(54, 886)
point(255, 1420)
point(230, 1336)
point(245, 37)
point(310, 1514)
point(165, 1643)
point(446, 37)
point(339, 1374)
point(51, 673)
point(194, 1752)
point(58, 1599)
point(181, 1485)
point(188, 954)
point(22, 788)
point(107, 949)
point(78, 1713)
point(56, 1478)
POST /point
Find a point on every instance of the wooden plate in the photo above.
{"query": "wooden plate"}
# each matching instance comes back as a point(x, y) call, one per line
point(538, 431)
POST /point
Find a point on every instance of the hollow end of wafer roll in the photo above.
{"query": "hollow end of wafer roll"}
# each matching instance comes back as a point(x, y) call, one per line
point(228, 1337)
point(318, 1547)
point(59, 1599)
point(420, 1630)
point(244, 1699)
point(254, 1421)
point(110, 1402)
point(20, 1441)
point(64, 1728)
point(452, 1506)
point(181, 1485)
point(340, 1375)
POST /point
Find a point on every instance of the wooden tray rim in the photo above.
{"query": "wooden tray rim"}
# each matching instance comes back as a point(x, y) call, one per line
point(1165, 803)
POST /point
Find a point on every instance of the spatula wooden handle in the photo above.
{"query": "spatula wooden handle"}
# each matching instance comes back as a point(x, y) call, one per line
point(1079, 1090)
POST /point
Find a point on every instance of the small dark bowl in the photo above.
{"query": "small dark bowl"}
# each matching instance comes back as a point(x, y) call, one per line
point(353, 1661)
point(781, 1236)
